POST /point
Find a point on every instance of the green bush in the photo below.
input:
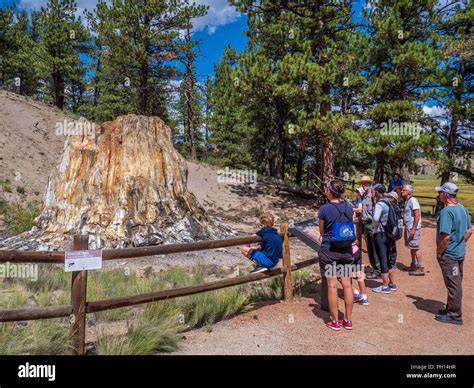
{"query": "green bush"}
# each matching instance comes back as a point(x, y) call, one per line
point(3, 205)
point(20, 190)
point(19, 219)
point(6, 185)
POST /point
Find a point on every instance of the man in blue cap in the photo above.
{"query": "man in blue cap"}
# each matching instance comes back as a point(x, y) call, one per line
point(454, 229)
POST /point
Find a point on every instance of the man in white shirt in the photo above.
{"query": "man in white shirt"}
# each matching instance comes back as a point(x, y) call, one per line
point(412, 221)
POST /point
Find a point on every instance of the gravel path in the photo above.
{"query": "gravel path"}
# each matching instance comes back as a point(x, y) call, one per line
point(399, 323)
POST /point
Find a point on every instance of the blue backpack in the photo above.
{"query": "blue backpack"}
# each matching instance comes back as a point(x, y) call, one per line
point(343, 230)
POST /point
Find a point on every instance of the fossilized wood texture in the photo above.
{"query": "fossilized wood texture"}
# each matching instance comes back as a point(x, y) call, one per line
point(125, 186)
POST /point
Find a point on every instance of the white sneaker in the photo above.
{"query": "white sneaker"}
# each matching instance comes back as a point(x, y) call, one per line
point(382, 289)
point(259, 269)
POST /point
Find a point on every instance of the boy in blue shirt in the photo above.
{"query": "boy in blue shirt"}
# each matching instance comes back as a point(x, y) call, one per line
point(269, 251)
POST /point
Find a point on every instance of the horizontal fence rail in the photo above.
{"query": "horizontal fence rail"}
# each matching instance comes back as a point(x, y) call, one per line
point(127, 253)
point(79, 307)
point(35, 313)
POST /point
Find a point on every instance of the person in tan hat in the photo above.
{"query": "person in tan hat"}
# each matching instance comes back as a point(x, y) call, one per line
point(368, 205)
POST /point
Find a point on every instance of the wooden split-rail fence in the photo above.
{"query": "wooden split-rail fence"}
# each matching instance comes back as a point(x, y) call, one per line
point(80, 306)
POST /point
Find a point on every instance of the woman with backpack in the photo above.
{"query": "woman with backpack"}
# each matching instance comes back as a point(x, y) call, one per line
point(337, 231)
point(384, 241)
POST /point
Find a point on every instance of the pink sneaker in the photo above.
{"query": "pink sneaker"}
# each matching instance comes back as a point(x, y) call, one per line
point(334, 325)
point(345, 324)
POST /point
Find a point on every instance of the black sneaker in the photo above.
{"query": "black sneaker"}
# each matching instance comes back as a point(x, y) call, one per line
point(448, 319)
point(373, 275)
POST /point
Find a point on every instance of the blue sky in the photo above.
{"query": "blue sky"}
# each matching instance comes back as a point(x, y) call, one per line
point(222, 26)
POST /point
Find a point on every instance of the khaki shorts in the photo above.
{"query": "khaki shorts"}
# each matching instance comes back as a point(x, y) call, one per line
point(413, 243)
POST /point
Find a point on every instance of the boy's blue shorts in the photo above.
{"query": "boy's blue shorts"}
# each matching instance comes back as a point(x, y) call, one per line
point(261, 259)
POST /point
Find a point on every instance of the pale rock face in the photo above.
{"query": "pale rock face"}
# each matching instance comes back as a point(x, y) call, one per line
point(125, 185)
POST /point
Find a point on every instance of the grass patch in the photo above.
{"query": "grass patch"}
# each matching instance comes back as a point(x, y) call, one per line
point(425, 186)
point(156, 329)
point(6, 185)
point(150, 328)
point(210, 307)
point(20, 190)
point(20, 219)
point(273, 288)
point(49, 336)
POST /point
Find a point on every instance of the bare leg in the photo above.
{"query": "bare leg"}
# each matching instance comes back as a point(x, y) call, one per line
point(419, 257)
point(413, 256)
point(246, 250)
point(385, 279)
point(332, 298)
point(391, 276)
point(361, 282)
point(348, 297)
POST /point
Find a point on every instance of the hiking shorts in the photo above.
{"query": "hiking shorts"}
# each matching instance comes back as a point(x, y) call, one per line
point(412, 243)
point(332, 263)
point(261, 259)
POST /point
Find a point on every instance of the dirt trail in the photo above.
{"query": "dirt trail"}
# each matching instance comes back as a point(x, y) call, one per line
point(399, 323)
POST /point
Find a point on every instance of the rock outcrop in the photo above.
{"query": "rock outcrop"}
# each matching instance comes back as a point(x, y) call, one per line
point(123, 183)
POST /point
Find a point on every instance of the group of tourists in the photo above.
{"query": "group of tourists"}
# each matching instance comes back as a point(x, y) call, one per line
point(382, 217)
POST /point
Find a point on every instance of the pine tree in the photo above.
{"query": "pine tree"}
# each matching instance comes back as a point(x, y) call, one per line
point(139, 41)
point(7, 44)
point(456, 75)
point(190, 93)
point(403, 54)
point(230, 134)
point(62, 39)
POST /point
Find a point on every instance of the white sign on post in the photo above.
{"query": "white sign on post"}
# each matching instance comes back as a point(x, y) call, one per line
point(82, 260)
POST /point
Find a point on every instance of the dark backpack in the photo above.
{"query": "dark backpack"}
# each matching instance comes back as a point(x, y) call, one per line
point(343, 230)
point(394, 227)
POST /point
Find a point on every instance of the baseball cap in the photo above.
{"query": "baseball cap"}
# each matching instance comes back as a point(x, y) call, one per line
point(360, 190)
point(449, 188)
point(392, 194)
point(379, 188)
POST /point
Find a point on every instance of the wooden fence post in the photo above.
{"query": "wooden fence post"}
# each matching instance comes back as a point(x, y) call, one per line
point(77, 333)
point(287, 280)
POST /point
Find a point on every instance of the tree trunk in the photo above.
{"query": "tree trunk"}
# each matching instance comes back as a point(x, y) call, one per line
point(404, 171)
point(58, 84)
point(379, 168)
point(189, 96)
point(143, 98)
point(299, 167)
point(327, 157)
point(327, 160)
point(281, 112)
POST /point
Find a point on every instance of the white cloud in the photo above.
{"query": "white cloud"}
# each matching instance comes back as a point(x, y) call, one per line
point(220, 12)
point(434, 111)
